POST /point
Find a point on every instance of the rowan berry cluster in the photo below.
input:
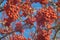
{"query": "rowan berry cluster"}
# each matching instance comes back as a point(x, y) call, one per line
point(58, 6)
point(45, 15)
point(12, 9)
point(27, 9)
point(30, 20)
point(17, 37)
point(19, 27)
point(43, 35)
point(42, 1)
point(8, 21)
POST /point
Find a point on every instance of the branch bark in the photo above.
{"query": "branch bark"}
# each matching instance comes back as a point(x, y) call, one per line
point(7, 35)
point(1, 1)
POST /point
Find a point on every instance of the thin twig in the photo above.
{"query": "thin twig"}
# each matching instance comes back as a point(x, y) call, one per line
point(7, 35)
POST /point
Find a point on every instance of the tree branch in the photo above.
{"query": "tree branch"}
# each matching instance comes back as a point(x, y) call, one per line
point(7, 34)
